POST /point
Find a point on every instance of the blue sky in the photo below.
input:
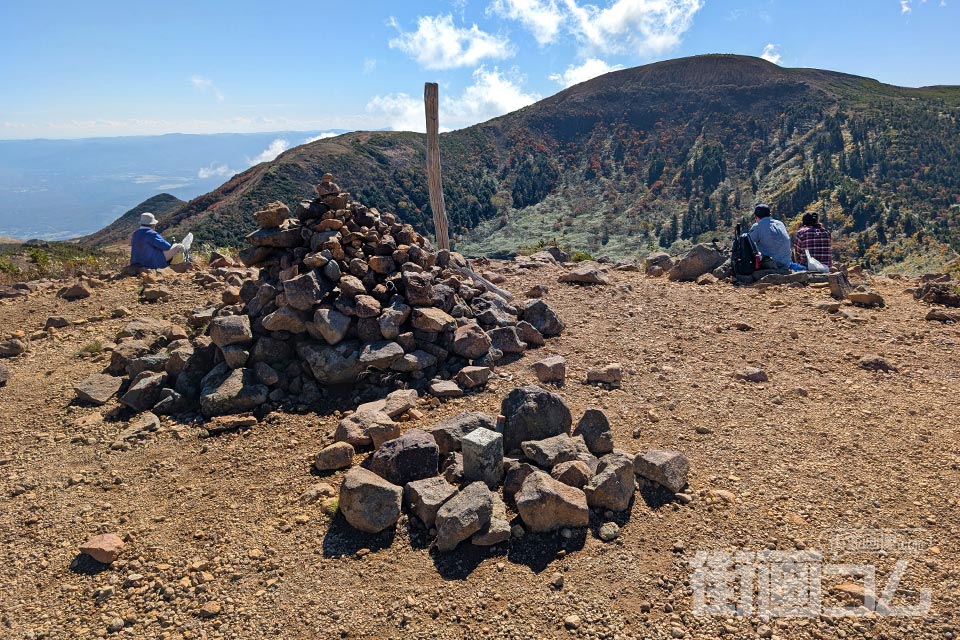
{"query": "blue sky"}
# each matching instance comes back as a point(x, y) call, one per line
point(130, 67)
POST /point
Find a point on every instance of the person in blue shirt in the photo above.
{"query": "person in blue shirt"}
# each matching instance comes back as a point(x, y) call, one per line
point(148, 249)
point(771, 238)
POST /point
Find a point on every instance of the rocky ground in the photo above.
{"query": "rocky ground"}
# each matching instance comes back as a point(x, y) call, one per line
point(231, 536)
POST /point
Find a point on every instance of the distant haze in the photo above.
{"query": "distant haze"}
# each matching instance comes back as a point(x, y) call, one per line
point(59, 189)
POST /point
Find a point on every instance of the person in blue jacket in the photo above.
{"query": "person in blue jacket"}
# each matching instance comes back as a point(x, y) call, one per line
point(148, 249)
point(771, 238)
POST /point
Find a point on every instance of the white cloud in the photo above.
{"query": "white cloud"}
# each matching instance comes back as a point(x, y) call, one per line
point(641, 27)
point(905, 6)
point(215, 169)
point(274, 149)
point(325, 134)
point(543, 19)
point(205, 85)
point(591, 68)
point(369, 65)
point(438, 44)
point(493, 93)
point(771, 53)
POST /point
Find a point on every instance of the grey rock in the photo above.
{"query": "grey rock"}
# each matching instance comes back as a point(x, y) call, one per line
point(463, 515)
point(613, 485)
point(550, 451)
point(533, 413)
point(285, 319)
point(472, 377)
point(329, 325)
point(449, 433)
point(304, 291)
point(483, 456)
point(546, 504)
point(338, 455)
point(551, 370)
point(227, 330)
point(586, 273)
point(752, 374)
point(515, 473)
point(230, 392)
point(424, 497)
point(594, 426)
point(380, 355)
point(506, 340)
point(144, 391)
point(574, 473)
point(701, 259)
point(432, 320)
point(368, 502)
point(498, 529)
point(355, 428)
point(609, 531)
point(666, 467)
point(392, 318)
point(529, 334)
point(235, 356)
point(412, 456)
point(266, 374)
point(611, 374)
point(416, 361)
point(543, 318)
point(98, 388)
point(332, 364)
point(445, 389)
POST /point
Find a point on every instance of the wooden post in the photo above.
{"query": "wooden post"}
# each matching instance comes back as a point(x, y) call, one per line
point(434, 183)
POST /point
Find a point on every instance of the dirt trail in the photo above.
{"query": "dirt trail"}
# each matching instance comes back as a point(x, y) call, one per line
point(220, 547)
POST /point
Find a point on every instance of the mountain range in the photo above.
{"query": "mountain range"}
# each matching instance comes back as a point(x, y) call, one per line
point(651, 157)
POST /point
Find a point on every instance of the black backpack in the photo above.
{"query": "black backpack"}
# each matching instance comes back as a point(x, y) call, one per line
point(745, 257)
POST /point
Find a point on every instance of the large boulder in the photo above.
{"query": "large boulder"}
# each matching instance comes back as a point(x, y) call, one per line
point(701, 259)
point(551, 451)
point(533, 413)
point(356, 428)
point(412, 456)
point(546, 504)
point(586, 273)
point(463, 515)
point(449, 432)
point(613, 485)
point(144, 391)
point(368, 502)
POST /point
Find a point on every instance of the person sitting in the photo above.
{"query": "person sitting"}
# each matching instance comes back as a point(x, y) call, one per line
point(148, 249)
point(771, 238)
point(812, 236)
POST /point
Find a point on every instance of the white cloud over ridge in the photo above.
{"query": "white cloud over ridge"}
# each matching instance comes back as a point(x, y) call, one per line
point(493, 93)
point(543, 19)
point(634, 27)
point(274, 149)
point(321, 136)
point(771, 53)
point(439, 44)
point(215, 170)
point(591, 68)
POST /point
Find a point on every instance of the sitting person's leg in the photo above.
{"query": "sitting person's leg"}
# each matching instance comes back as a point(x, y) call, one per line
point(172, 252)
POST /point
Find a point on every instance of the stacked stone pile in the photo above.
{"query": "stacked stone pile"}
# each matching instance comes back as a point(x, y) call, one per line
point(456, 480)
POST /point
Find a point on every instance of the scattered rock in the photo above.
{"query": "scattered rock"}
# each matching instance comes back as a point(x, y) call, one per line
point(412, 456)
point(463, 515)
point(551, 451)
point(483, 457)
point(873, 362)
point(449, 433)
point(144, 391)
point(865, 298)
point(701, 259)
point(542, 318)
point(612, 374)
point(425, 497)
point(594, 427)
point(231, 391)
point(752, 374)
point(103, 548)
point(472, 377)
point(613, 485)
point(470, 341)
point(546, 504)
point(445, 389)
point(368, 502)
point(586, 273)
point(609, 531)
point(98, 388)
point(77, 291)
point(575, 473)
point(666, 467)
point(941, 315)
point(12, 348)
point(537, 291)
point(533, 413)
point(551, 370)
point(338, 455)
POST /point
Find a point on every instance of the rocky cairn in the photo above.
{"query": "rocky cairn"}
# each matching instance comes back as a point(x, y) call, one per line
point(478, 479)
point(338, 294)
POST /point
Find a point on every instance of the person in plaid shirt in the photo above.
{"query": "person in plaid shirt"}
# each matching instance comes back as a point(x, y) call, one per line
point(813, 236)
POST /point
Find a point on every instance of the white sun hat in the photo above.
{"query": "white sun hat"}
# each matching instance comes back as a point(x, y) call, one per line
point(147, 219)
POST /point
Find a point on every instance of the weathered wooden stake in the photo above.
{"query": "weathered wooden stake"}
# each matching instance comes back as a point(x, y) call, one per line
point(434, 183)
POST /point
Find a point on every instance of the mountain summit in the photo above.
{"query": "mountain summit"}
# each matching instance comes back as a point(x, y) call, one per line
point(648, 157)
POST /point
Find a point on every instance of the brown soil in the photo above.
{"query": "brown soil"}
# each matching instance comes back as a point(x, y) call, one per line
point(218, 545)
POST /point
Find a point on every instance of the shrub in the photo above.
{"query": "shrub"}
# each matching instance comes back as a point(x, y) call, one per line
point(580, 256)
